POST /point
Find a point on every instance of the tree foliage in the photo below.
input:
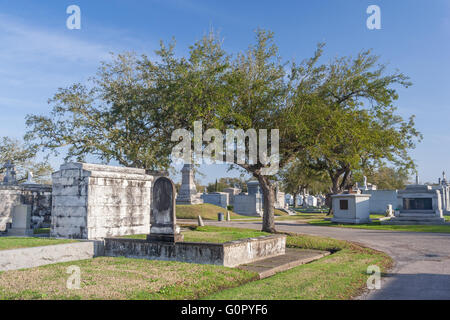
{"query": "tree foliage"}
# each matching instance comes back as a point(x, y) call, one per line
point(339, 116)
point(25, 160)
point(388, 178)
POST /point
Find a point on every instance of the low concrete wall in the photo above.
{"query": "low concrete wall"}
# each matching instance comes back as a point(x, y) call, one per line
point(39, 256)
point(229, 254)
point(253, 249)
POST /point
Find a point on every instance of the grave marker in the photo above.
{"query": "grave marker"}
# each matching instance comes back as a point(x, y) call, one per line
point(163, 214)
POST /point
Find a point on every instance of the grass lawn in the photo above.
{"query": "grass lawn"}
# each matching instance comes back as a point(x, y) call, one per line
point(209, 212)
point(121, 278)
point(376, 225)
point(206, 210)
point(7, 243)
point(41, 231)
point(341, 275)
point(311, 210)
point(280, 213)
point(212, 234)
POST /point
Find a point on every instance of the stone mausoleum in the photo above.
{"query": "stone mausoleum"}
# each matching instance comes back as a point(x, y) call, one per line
point(351, 208)
point(418, 204)
point(216, 198)
point(38, 197)
point(250, 203)
point(92, 201)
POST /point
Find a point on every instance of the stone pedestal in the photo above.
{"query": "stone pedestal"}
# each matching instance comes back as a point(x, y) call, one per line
point(351, 208)
point(163, 215)
point(21, 221)
point(188, 192)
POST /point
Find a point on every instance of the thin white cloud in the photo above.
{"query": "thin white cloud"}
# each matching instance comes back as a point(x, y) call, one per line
point(30, 43)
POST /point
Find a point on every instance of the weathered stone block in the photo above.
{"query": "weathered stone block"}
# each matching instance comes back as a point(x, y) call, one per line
point(94, 201)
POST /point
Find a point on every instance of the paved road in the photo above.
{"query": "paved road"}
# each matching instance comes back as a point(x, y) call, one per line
point(422, 260)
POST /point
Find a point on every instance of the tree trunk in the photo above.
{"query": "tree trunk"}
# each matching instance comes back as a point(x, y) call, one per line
point(269, 202)
point(334, 190)
point(329, 203)
point(295, 199)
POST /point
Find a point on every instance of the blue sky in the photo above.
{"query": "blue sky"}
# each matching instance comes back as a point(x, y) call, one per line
point(38, 54)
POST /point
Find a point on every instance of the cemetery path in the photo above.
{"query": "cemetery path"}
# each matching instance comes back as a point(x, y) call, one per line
point(422, 260)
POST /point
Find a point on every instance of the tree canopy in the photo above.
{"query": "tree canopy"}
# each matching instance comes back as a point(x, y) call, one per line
point(338, 116)
point(24, 159)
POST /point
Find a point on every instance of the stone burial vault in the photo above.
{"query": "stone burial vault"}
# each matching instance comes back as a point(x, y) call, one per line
point(165, 242)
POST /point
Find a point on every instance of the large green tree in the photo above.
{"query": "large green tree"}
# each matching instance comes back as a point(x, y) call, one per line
point(339, 114)
point(362, 129)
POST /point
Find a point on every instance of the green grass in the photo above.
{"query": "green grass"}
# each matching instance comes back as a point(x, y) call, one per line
point(311, 210)
point(341, 275)
point(213, 234)
point(41, 231)
point(206, 210)
point(120, 279)
point(377, 216)
point(376, 225)
point(7, 243)
point(279, 213)
point(209, 212)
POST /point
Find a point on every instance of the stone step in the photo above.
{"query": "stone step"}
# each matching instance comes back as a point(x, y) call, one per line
point(292, 258)
point(418, 218)
point(420, 212)
point(421, 215)
point(409, 221)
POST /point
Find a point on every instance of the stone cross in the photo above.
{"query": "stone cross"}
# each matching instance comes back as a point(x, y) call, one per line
point(163, 215)
point(10, 176)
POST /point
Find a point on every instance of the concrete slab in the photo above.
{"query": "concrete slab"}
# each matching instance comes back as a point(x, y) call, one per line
point(23, 258)
point(292, 258)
